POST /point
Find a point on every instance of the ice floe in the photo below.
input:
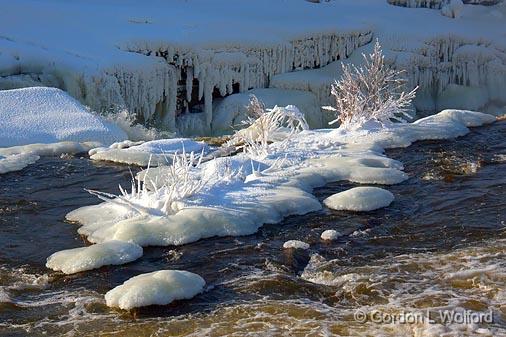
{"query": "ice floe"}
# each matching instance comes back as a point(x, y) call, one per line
point(75, 260)
point(362, 199)
point(156, 288)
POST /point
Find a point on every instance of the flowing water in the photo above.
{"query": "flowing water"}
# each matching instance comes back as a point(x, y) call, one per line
point(440, 245)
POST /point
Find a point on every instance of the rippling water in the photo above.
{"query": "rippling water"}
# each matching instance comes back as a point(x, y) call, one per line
point(440, 245)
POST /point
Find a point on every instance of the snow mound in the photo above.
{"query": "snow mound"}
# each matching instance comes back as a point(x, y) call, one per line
point(360, 199)
point(49, 115)
point(158, 151)
point(157, 288)
point(295, 244)
point(75, 260)
point(330, 235)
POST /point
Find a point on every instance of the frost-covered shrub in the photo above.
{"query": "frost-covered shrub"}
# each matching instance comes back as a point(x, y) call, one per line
point(174, 183)
point(267, 125)
point(371, 92)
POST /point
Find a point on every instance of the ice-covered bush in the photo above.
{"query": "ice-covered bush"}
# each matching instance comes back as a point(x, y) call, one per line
point(264, 126)
point(371, 92)
point(173, 183)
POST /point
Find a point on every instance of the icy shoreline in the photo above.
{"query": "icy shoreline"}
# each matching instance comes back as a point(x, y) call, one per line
point(241, 195)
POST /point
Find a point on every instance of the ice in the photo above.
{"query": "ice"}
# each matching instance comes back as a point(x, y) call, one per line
point(237, 195)
point(16, 162)
point(295, 244)
point(330, 235)
point(360, 199)
point(157, 288)
point(75, 260)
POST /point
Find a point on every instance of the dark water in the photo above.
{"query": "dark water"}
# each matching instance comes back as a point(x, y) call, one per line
point(447, 219)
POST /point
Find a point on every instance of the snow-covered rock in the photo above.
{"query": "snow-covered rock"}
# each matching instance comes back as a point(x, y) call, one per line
point(157, 288)
point(295, 244)
point(360, 199)
point(330, 235)
point(75, 260)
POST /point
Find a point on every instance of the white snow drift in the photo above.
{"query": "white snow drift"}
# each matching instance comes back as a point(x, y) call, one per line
point(360, 199)
point(46, 121)
point(75, 260)
point(156, 288)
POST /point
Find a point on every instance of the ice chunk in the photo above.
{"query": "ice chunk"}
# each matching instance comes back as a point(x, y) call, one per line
point(16, 162)
point(158, 151)
point(75, 260)
point(330, 235)
point(360, 199)
point(159, 287)
point(295, 244)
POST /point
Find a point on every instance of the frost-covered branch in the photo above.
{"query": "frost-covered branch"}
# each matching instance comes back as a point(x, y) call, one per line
point(265, 126)
point(175, 182)
point(372, 91)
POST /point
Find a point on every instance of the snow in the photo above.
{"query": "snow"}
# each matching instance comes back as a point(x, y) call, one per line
point(362, 199)
point(237, 195)
point(330, 235)
point(40, 121)
point(157, 288)
point(75, 260)
point(159, 56)
point(295, 244)
point(49, 115)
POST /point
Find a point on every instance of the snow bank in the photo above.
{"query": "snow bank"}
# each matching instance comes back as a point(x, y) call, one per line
point(75, 260)
point(49, 115)
point(140, 153)
point(330, 235)
point(239, 194)
point(157, 288)
point(295, 244)
point(38, 122)
point(360, 199)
